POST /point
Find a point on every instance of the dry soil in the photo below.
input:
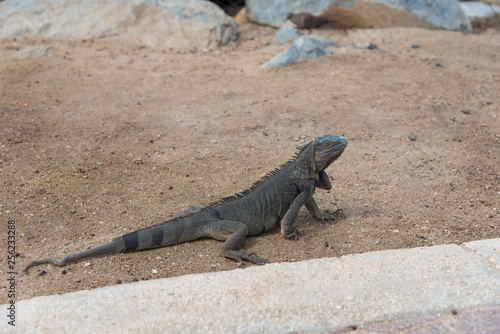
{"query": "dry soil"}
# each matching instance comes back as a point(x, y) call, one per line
point(102, 137)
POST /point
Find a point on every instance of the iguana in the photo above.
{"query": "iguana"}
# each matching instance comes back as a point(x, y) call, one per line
point(276, 197)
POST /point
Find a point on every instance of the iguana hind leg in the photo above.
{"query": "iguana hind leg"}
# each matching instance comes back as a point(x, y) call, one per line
point(188, 211)
point(234, 233)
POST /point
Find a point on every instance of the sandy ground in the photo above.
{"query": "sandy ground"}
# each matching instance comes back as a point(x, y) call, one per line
point(101, 137)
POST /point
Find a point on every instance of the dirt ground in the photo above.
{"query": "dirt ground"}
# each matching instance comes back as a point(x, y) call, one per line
point(103, 137)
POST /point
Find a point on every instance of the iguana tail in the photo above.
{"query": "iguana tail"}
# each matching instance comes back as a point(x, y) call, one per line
point(103, 249)
point(168, 233)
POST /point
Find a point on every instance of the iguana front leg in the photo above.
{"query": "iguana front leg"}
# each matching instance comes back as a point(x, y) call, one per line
point(287, 229)
point(323, 183)
point(313, 208)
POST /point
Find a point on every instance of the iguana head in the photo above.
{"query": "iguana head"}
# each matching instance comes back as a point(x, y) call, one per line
point(327, 149)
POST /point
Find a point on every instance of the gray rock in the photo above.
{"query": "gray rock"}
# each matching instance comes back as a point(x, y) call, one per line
point(443, 14)
point(158, 23)
point(273, 13)
point(327, 43)
point(477, 11)
point(303, 47)
point(286, 34)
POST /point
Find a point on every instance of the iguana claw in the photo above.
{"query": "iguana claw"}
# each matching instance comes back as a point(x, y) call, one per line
point(291, 232)
point(331, 215)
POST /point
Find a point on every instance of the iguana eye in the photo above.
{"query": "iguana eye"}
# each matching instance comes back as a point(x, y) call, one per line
point(327, 144)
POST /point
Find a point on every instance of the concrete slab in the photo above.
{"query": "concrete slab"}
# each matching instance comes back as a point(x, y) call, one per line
point(323, 294)
point(484, 321)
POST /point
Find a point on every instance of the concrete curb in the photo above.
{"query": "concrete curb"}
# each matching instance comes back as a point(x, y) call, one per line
point(312, 295)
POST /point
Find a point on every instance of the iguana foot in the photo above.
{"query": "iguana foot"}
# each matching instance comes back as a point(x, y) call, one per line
point(330, 215)
point(290, 232)
point(240, 256)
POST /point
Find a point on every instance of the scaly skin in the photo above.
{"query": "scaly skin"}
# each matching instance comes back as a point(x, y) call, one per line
point(274, 199)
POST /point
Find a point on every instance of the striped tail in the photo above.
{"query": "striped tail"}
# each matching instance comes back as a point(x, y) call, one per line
point(164, 234)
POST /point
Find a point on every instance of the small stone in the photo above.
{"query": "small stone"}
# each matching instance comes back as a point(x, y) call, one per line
point(438, 65)
point(412, 137)
point(454, 312)
point(466, 111)
point(326, 244)
point(64, 272)
point(118, 281)
point(415, 46)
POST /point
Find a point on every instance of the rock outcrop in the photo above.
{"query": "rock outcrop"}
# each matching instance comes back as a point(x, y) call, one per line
point(443, 14)
point(185, 24)
point(478, 12)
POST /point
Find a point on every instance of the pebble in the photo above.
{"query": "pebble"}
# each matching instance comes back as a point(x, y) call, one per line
point(415, 46)
point(412, 137)
point(466, 111)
